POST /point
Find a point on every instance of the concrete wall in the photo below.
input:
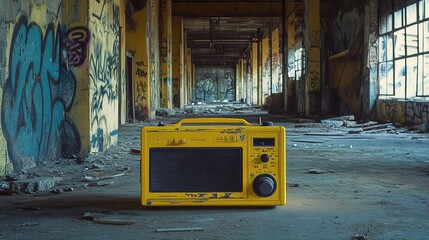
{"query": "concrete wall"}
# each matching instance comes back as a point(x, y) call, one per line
point(152, 44)
point(59, 76)
point(214, 84)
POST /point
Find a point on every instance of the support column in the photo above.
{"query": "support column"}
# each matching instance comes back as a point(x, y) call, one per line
point(166, 55)
point(177, 54)
point(288, 53)
point(312, 50)
point(370, 84)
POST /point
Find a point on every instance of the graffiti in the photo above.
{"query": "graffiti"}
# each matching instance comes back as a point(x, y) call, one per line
point(101, 73)
point(215, 84)
point(141, 73)
point(141, 64)
point(417, 112)
point(75, 44)
point(104, 62)
point(100, 15)
point(141, 91)
point(390, 111)
point(314, 82)
point(345, 29)
point(37, 95)
point(115, 30)
point(176, 92)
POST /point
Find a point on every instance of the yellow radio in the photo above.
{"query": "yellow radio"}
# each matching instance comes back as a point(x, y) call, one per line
point(213, 162)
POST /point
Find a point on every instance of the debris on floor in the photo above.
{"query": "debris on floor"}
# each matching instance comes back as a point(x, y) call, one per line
point(319, 171)
point(187, 229)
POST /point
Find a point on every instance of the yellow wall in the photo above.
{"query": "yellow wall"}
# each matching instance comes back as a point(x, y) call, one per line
point(136, 44)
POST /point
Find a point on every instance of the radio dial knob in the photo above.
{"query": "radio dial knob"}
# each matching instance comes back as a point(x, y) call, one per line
point(264, 185)
point(265, 158)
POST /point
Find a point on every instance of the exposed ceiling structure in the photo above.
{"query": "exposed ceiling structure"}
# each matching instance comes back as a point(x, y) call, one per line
point(223, 39)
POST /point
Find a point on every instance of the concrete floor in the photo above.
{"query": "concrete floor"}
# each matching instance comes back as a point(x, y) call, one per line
point(374, 186)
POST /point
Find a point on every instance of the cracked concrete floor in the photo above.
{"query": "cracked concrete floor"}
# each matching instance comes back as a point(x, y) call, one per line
point(374, 186)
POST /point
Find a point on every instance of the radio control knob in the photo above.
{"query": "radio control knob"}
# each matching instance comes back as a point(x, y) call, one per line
point(264, 185)
point(265, 158)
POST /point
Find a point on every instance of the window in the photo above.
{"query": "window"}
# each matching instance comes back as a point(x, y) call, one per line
point(403, 70)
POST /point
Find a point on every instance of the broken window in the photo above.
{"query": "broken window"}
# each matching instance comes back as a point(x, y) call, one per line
point(404, 49)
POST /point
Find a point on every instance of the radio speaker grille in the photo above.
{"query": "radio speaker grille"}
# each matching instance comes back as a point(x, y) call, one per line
point(195, 170)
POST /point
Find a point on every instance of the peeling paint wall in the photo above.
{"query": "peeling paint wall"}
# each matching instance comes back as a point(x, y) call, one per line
point(214, 84)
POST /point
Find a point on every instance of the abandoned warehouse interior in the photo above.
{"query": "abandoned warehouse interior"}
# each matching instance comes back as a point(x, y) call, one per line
point(75, 74)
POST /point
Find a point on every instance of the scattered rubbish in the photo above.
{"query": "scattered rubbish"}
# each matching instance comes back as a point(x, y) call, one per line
point(135, 151)
point(110, 221)
point(424, 128)
point(308, 141)
point(69, 189)
point(29, 224)
point(57, 191)
point(295, 145)
point(80, 160)
point(319, 171)
point(359, 237)
point(188, 229)
point(88, 216)
point(334, 123)
point(326, 134)
point(93, 179)
point(293, 185)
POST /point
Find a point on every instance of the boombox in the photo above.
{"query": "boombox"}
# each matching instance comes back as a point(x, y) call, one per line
point(213, 162)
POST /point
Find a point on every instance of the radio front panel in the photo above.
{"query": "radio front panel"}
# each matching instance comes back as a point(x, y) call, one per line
point(213, 165)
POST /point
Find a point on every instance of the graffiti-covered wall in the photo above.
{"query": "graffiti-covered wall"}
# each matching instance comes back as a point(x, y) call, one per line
point(39, 89)
point(214, 84)
point(104, 72)
point(402, 112)
point(59, 73)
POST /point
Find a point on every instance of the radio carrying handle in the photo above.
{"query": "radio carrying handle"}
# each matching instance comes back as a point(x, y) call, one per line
point(212, 121)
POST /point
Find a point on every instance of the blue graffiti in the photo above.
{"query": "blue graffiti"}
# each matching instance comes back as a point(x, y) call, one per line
point(37, 94)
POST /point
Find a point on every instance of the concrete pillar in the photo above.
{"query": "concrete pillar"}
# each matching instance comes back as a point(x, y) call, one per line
point(254, 92)
point(370, 83)
point(288, 48)
point(177, 53)
point(312, 50)
point(166, 54)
